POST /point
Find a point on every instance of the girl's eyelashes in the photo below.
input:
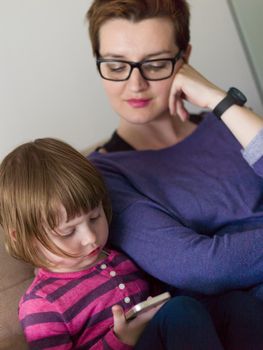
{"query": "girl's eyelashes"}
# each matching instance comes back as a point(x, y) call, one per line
point(95, 214)
point(92, 216)
point(71, 232)
point(95, 217)
point(67, 234)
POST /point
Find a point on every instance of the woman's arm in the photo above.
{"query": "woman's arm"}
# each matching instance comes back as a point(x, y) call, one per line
point(190, 85)
point(189, 260)
point(162, 245)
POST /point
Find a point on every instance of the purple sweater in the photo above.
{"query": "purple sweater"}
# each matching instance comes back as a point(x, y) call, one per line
point(191, 214)
point(62, 311)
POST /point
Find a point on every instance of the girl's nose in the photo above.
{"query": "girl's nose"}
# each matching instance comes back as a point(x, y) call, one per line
point(88, 237)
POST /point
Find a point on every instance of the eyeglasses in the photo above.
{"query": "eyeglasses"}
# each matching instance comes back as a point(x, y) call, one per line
point(119, 70)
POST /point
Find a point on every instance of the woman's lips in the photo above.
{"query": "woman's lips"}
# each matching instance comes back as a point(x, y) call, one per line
point(139, 103)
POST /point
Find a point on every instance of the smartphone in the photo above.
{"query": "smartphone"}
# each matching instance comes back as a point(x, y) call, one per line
point(146, 305)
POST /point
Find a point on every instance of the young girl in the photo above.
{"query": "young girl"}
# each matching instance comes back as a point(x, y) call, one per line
point(55, 212)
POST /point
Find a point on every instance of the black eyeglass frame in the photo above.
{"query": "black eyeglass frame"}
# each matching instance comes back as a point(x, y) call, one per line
point(138, 65)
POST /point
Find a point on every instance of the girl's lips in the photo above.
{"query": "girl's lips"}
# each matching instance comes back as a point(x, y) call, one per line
point(139, 103)
point(94, 252)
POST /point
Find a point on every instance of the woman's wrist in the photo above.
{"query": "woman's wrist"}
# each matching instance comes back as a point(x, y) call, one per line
point(216, 98)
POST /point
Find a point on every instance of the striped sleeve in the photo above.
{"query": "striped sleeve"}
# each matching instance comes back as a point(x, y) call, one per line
point(45, 328)
point(43, 325)
point(110, 342)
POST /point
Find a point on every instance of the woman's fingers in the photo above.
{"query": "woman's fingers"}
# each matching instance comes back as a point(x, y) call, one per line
point(180, 110)
point(191, 86)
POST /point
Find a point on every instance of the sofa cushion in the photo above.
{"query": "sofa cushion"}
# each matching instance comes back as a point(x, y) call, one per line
point(15, 277)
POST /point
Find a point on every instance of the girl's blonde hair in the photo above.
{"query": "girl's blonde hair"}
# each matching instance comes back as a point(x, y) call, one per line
point(35, 180)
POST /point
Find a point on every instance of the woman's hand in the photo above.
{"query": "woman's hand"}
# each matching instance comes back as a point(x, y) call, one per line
point(191, 86)
point(129, 331)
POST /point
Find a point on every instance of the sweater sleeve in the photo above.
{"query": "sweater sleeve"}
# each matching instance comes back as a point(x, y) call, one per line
point(163, 246)
point(253, 153)
point(184, 258)
point(110, 341)
point(44, 327)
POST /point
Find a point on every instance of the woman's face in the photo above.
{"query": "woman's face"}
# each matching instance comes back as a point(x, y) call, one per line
point(136, 100)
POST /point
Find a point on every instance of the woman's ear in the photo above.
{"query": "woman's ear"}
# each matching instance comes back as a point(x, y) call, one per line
point(187, 53)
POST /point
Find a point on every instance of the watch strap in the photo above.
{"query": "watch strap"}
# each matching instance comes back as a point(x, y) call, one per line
point(229, 100)
point(223, 105)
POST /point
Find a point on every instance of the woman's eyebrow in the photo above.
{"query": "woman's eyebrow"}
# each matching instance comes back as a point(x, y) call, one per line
point(148, 56)
point(152, 55)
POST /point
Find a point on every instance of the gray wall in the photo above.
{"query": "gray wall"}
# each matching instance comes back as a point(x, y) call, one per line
point(48, 80)
point(248, 18)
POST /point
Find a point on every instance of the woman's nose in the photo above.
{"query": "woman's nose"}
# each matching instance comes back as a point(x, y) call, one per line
point(136, 82)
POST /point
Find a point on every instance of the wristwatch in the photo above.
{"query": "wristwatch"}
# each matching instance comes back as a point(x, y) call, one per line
point(233, 97)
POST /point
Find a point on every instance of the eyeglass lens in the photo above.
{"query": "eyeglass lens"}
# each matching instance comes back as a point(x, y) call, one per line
point(153, 70)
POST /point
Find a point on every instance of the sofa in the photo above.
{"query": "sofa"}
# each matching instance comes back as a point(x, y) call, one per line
point(15, 277)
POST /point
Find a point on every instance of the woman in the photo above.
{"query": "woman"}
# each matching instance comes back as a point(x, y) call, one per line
point(187, 198)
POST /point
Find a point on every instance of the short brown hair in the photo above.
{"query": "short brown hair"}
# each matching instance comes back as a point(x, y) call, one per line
point(136, 10)
point(37, 178)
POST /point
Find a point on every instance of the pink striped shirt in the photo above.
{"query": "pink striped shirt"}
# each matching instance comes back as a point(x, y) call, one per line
point(73, 310)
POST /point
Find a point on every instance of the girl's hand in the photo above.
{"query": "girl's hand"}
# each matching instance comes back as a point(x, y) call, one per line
point(129, 331)
point(191, 86)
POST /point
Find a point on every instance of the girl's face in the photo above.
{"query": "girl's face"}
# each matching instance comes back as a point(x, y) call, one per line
point(137, 100)
point(85, 235)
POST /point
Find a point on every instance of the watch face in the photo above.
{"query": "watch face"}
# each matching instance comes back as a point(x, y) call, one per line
point(239, 97)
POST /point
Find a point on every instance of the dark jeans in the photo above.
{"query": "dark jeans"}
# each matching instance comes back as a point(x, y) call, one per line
point(238, 319)
point(233, 321)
